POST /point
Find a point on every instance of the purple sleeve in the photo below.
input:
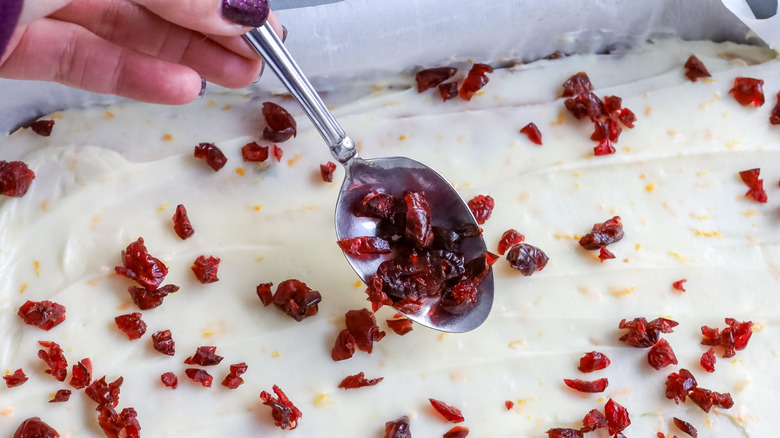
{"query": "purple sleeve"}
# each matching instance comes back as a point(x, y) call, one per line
point(9, 15)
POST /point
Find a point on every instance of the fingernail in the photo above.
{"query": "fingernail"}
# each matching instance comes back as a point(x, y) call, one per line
point(202, 88)
point(262, 69)
point(284, 34)
point(252, 13)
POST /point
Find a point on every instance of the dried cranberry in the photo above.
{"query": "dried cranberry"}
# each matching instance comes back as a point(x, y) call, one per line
point(284, 413)
point(432, 77)
point(695, 69)
point(756, 186)
point(748, 91)
point(15, 178)
point(362, 326)
point(626, 117)
point(140, 266)
point(612, 104)
point(606, 130)
point(211, 154)
point(598, 385)
point(364, 246)
point(527, 258)
point(706, 399)
point(398, 428)
point(17, 378)
point(344, 347)
point(679, 285)
point(708, 360)
point(678, 385)
point(418, 219)
point(661, 355)
point(685, 427)
point(55, 360)
point(448, 90)
point(509, 404)
point(457, 432)
point(603, 148)
point(296, 299)
point(593, 420)
point(254, 152)
point(475, 80)
point(482, 207)
point(170, 380)
point(577, 84)
point(509, 239)
point(147, 299)
point(643, 334)
point(35, 428)
point(131, 324)
point(585, 105)
point(326, 171)
point(61, 396)
point(560, 432)
point(733, 338)
point(162, 341)
point(205, 269)
point(605, 233)
point(199, 376)
point(461, 297)
point(532, 132)
point(593, 361)
point(617, 417)
point(81, 374)
point(181, 223)
point(774, 115)
point(264, 293)
point(233, 380)
point(42, 314)
point(605, 254)
point(375, 205)
point(278, 153)
point(358, 381)
point(104, 394)
point(400, 326)
point(42, 127)
point(280, 124)
point(204, 356)
point(450, 413)
point(124, 424)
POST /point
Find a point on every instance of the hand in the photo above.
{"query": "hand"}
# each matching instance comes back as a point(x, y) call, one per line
point(151, 50)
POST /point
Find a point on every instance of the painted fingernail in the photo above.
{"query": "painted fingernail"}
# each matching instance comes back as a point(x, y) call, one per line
point(262, 69)
point(284, 34)
point(252, 13)
point(202, 88)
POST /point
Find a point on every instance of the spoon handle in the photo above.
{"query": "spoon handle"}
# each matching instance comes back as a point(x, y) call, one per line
point(269, 46)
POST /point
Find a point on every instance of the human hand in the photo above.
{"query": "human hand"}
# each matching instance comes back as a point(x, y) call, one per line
point(151, 50)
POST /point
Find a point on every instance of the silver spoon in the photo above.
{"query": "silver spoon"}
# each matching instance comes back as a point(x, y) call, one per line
point(392, 175)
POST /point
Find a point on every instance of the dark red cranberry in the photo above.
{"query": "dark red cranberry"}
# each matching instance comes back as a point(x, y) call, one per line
point(181, 223)
point(210, 153)
point(432, 77)
point(695, 69)
point(526, 258)
point(42, 314)
point(280, 124)
point(15, 178)
point(296, 299)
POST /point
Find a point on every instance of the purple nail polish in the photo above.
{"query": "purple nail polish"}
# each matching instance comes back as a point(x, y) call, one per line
point(284, 34)
point(202, 88)
point(252, 13)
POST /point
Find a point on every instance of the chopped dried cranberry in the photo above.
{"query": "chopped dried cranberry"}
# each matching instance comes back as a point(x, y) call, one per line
point(593, 420)
point(283, 411)
point(15, 178)
point(55, 360)
point(448, 90)
point(756, 186)
point(358, 381)
point(527, 258)
point(131, 324)
point(254, 152)
point(400, 326)
point(450, 413)
point(140, 266)
point(296, 299)
point(509, 239)
point(61, 396)
point(280, 124)
point(617, 417)
point(491, 258)
point(598, 385)
point(678, 385)
point(606, 130)
point(124, 424)
point(461, 297)
point(181, 223)
point(748, 91)
point(532, 132)
point(81, 374)
point(695, 69)
point(593, 361)
point(418, 219)
point(398, 428)
point(432, 77)
point(211, 154)
point(147, 299)
point(612, 104)
point(685, 427)
point(42, 127)
point(774, 115)
point(104, 394)
point(708, 360)
point(200, 376)
point(605, 254)
point(733, 338)
point(375, 205)
point(170, 380)
point(204, 356)
point(457, 432)
point(661, 355)
point(42, 314)
point(364, 246)
point(605, 233)
point(626, 117)
point(233, 380)
point(577, 84)
point(509, 404)
point(585, 105)
point(278, 153)
point(17, 378)
point(163, 342)
point(679, 285)
point(326, 171)
point(643, 334)
point(264, 293)
point(475, 80)
point(706, 399)
point(482, 207)
point(560, 432)
point(35, 428)
point(205, 269)
point(344, 347)
point(362, 326)
point(604, 148)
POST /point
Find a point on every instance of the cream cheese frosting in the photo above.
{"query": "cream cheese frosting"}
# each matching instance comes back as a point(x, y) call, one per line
point(109, 175)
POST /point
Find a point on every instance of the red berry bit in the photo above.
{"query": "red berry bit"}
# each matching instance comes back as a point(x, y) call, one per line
point(278, 153)
point(774, 115)
point(131, 325)
point(181, 223)
point(603, 234)
point(679, 285)
point(418, 219)
point(708, 360)
point(233, 380)
point(593, 361)
point(527, 258)
point(296, 299)
point(35, 428)
point(685, 427)
point(17, 378)
point(748, 91)
point(400, 325)
point(706, 399)
point(15, 178)
point(679, 385)
point(163, 342)
point(733, 338)
point(140, 266)
point(577, 84)
point(509, 239)
point(253, 152)
point(482, 207)
point(643, 334)
point(265, 294)
point(326, 171)
point(449, 413)
point(604, 148)
point(448, 91)
point(280, 124)
point(585, 105)
point(42, 127)
point(476, 79)
point(598, 385)
point(61, 396)
point(81, 374)
point(147, 299)
point(104, 394)
point(42, 314)
point(199, 376)
point(695, 69)
point(606, 130)
point(532, 132)
point(661, 355)
point(457, 432)
point(358, 381)
point(205, 269)
point(375, 205)
point(283, 411)
point(398, 428)
point(55, 360)
point(509, 404)
point(124, 424)
point(362, 326)
point(364, 246)
point(756, 186)
point(617, 417)
point(593, 420)
point(170, 380)
point(211, 154)
point(560, 432)
point(605, 254)
point(204, 356)
point(433, 77)
point(344, 347)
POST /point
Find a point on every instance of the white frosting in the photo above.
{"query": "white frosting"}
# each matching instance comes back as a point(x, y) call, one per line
point(108, 175)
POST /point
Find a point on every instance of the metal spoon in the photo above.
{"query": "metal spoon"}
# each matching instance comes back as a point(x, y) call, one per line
point(389, 175)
